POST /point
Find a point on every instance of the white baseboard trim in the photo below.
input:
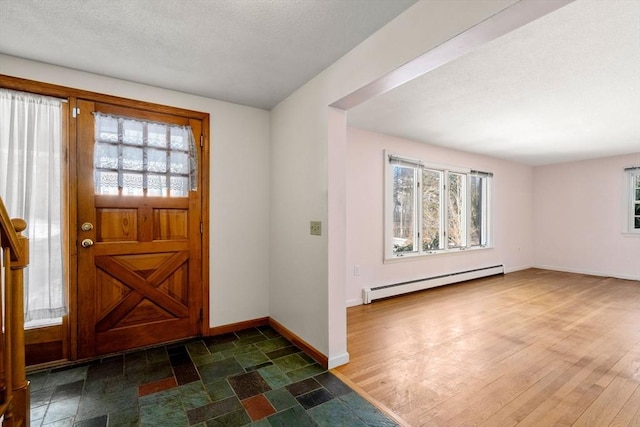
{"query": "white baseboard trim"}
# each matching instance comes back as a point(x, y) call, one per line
point(354, 302)
point(589, 272)
point(339, 360)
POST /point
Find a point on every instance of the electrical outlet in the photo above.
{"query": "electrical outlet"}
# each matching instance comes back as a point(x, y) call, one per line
point(316, 228)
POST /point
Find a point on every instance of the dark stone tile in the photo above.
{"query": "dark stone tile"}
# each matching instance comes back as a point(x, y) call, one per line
point(197, 349)
point(176, 349)
point(65, 422)
point(333, 384)
point(67, 391)
point(219, 339)
point(238, 350)
point(216, 370)
point(149, 373)
point(233, 419)
point(273, 344)
point(213, 410)
point(106, 369)
point(219, 389)
point(268, 331)
point(305, 372)
point(314, 398)
point(129, 417)
point(283, 352)
point(61, 410)
point(295, 416)
point(66, 376)
point(158, 354)
point(37, 380)
point(290, 363)
point(302, 387)
point(256, 367)
point(37, 413)
point(216, 348)
point(249, 384)
point(251, 359)
point(335, 414)
point(366, 411)
point(183, 368)
point(41, 397)
point(93, 422)
point(281, 399)
point(249, 332)
point(274, 376)
point(251, 340)
point(163, 414)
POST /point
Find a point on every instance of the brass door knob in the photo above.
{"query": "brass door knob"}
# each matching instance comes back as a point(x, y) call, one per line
point(87, 243)
point(87, 226)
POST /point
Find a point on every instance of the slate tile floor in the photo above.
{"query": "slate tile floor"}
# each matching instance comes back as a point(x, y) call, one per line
point(253, 377)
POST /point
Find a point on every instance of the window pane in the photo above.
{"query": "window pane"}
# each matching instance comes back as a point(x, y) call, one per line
point(403, 208)
point(106, 182)
point(178, 140)
point(106, 156)
point(637, 222)
point(455, 205)
point(637, 209)
point(107, 129)
point(156, 160)
point(475, 222)
point(179, 162)
point(431, 185)
point(156, 185)
point(132, 132)
point(179, 186)
point(157, 135)
point(638, 194)
point(132, 184)
point(132, 158)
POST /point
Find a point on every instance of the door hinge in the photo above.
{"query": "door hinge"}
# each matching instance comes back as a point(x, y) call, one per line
point(201, 228)
point(75, 112)
point(201, 140)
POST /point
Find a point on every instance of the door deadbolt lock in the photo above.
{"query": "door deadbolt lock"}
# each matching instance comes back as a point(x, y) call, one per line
point(87, 243)
point(87, 226)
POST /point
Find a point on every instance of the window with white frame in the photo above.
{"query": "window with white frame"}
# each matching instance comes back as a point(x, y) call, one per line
point(633, 200)
point(433, 208)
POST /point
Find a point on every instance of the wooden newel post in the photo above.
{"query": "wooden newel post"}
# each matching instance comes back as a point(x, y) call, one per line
point(18, 376)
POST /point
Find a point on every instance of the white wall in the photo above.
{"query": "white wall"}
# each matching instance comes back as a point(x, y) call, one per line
point(239, 278)
point(578, 211)
point(512, 220)
point(307, 285)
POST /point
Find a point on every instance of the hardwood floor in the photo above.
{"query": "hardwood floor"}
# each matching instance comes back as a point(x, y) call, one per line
point(531, 348)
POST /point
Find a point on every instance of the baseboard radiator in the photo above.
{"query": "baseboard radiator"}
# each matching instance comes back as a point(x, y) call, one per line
point(371, 294)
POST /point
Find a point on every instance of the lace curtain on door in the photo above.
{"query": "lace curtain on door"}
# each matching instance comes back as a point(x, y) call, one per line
point(137, 157)
point(30, 180)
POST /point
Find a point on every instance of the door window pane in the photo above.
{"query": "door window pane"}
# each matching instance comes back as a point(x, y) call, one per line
point(137, 158)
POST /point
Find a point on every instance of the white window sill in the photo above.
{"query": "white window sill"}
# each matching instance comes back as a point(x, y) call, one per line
point(441, 253)
point(635, 234)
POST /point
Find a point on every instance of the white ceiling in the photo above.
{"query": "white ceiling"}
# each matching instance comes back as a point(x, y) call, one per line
point(565, 87)
point(250, 52)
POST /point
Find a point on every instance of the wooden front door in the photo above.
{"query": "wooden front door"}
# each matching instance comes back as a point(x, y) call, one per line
point(139, 251)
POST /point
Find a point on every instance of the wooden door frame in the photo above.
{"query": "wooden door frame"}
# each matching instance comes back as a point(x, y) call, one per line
point(69, 327)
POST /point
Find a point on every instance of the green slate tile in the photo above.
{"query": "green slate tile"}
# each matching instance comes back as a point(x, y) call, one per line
point(290, 363)
point(281, 399)
point(273, 344)
point(305, 372)
point(252, 359)
point(221, 369)
point(274, 376)
point(295, 416)
point(335, 414)
point(233, 419)
point(128, 417)
point(219, 389)
point(193, 395)
point(366, 411)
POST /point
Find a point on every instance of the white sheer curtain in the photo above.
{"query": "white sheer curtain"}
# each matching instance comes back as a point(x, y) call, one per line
point(30, 179)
